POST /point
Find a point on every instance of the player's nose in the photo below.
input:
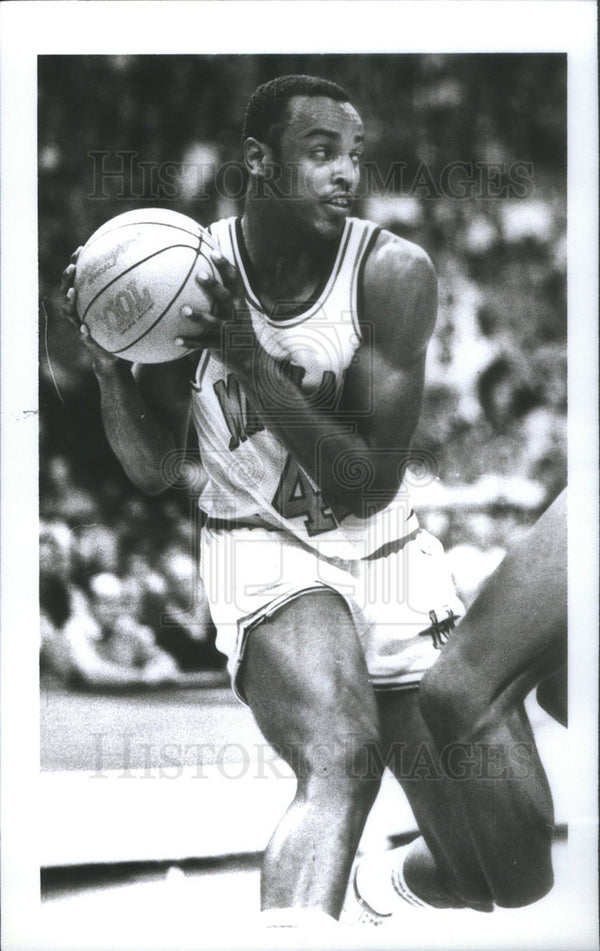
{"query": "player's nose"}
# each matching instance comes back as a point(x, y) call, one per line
point(344, 170)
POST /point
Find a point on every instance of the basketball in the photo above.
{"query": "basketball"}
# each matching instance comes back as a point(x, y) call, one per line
point(133, 277)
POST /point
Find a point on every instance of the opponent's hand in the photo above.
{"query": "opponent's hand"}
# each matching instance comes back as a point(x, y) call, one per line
point(102, 359)
point(228, 309)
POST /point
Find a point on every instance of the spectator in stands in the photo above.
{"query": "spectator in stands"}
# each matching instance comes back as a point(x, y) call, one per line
point(505, 394)
point(506, 439)
point(139, 573)
point(104, 646)
point(59, 596)
point(97, 550)
point(187, 630)
point(476, 556)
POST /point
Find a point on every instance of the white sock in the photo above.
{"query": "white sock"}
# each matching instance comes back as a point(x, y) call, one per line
point(381, 885)
point(399, 881)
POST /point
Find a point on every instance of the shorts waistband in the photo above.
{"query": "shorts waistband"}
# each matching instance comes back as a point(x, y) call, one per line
point(250, 521)
point(255, 521)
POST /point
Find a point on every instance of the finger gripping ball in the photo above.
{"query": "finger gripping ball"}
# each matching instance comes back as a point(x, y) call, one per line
point(133, 277)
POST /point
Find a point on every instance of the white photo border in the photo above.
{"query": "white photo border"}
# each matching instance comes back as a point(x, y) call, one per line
point(37, 28)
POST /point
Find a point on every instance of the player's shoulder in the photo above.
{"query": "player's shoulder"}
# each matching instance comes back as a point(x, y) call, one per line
point(399, 292)
point(396, 260)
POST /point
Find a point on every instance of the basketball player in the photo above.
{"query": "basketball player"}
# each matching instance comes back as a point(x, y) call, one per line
point(328, 598)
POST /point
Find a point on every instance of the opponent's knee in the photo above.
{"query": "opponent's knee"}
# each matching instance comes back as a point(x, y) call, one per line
point(526, 879)
point(449, 704)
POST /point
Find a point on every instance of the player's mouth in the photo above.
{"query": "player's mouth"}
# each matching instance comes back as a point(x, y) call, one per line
point(341, 202)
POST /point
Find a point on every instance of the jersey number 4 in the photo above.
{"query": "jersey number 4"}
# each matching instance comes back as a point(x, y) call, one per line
point(296, 497)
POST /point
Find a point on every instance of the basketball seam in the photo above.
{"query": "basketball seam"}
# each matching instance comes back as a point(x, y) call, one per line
point(136, 224)
point(171, 302)
point(132, 267)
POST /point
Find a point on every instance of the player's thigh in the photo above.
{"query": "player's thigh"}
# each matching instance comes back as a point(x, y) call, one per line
point(305, 677)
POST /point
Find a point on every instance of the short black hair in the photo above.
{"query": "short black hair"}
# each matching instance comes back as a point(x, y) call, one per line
point(269, 101)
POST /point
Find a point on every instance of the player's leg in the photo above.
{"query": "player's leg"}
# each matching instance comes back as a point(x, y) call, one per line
point(512, 637)
point(305, 679)
point(442, 867)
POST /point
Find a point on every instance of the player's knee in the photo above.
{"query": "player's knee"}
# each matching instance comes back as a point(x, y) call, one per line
point(347, 765)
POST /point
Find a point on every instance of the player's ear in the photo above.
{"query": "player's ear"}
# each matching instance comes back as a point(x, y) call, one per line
point(257, 156)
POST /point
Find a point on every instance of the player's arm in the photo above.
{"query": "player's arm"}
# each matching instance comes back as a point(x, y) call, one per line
point(145, 411)
point(356, 454)
point(382, 392)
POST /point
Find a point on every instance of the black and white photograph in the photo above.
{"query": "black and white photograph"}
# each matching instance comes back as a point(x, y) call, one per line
point(299, 371)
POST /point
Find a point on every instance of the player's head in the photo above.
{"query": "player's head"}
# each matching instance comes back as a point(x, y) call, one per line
point(302, 147)
point(267, 109)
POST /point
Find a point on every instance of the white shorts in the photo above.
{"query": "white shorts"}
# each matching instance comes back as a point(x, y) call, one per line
point(400, 601)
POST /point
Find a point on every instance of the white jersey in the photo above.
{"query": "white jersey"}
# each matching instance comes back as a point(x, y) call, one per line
point(249, 477)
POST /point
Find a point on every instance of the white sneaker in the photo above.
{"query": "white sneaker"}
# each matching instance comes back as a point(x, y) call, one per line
point(380, 887)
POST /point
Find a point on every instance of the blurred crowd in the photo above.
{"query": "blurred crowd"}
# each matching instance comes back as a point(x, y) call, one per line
point(494, 422)
point(121, 601)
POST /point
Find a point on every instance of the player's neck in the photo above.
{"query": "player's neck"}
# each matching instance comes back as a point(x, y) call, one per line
point(286, 260)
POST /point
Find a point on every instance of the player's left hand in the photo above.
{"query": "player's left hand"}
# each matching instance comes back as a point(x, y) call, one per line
point(228, 310)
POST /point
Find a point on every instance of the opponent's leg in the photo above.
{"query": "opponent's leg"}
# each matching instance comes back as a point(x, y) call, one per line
point(511, 638)
point(443, 867)
point(305, 679)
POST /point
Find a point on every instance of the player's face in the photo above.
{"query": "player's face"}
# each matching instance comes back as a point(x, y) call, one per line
point(319, 157)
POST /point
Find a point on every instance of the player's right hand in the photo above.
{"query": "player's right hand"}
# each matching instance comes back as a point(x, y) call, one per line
point(102, 359)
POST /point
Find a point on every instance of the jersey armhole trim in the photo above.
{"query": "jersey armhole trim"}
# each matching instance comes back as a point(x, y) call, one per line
point(196, 381)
